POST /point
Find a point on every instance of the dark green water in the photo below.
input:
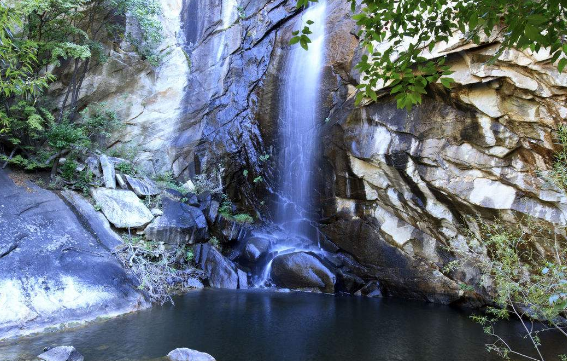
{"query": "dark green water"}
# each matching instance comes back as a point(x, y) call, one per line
point(269, 326)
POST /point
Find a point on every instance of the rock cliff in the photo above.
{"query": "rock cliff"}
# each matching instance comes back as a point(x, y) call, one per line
point(395, 189)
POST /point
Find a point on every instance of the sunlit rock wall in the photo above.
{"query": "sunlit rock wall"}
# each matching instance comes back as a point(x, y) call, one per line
point(149, 100)
point(410, 184)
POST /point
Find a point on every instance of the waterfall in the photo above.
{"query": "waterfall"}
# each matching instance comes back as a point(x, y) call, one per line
point(299, 122)
point(300, 119)
point(228, 17)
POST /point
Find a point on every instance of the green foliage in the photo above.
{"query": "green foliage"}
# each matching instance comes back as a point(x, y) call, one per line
point(37, 36)
point(68, 170)
point(213, 241)
point(302, 37)
point(126, 168)
point(167, 180)
point(451, 266)
point(411, 28)
point(241, 13)
point(85, 180)
point(66, 135)
point(99, 121)
point(243, 218)
point(226, 210)
point(189, 256)
point(558, 174)
point(528, 283)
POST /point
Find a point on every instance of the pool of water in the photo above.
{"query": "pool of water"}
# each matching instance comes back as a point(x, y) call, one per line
point(273, 326)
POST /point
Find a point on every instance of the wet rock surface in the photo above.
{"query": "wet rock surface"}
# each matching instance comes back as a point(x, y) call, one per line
point(187, 354)
point(61, 353)
point(256, 247)
point(53, 267)
point(302, 270)
point(220, 271)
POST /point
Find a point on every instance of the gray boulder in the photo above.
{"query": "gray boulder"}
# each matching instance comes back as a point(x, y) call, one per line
point(186, 354)
point(93, 165)
point(142, 187)
point(220, 271)
point(242, 279)
point(212, 211)
point(302, 270)
point(61, 353)
point(229, 230)
point(96, 221)
point(191, 199)
point(371, 289)
point(54, 266)
point(179, 224)
point(122, 207)
point(121, 181)
point(255, 248)
point(108, 172)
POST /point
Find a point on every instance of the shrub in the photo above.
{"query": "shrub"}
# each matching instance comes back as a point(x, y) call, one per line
point(126, 168)
point(243, 218)
point(68, 170)
point(528, 284)
point(213, 241)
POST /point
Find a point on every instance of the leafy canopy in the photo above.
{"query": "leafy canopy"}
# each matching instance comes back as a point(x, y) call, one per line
point(410, 27)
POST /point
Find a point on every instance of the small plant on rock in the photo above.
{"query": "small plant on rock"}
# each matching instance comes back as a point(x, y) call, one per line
point(243, 218)
point(213, 241)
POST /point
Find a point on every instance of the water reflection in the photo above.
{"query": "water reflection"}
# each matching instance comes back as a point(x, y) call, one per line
point(262, 326)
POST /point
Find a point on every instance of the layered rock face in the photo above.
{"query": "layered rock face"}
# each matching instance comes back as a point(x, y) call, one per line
point(395, 188)
point(402, 187)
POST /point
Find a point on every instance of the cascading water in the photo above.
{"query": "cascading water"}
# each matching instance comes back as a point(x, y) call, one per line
point(300, 118)
point(229, 8)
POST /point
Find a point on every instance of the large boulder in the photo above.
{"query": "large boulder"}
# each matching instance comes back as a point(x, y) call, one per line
point(220, 271)
point(229, 229)
point(255, 248)
point(300, 270)
point(122, 207)
point(54, 267)
point(108, 172)
point(179, 224)
point(96, 220)
point(186, 354)
point(61, 353)
point(142, 187)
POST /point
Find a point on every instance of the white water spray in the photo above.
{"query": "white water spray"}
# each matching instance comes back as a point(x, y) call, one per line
point(300, 118)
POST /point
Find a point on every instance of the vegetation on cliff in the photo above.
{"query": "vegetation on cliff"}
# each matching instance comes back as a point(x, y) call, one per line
point(40, 39)
point(411, 29)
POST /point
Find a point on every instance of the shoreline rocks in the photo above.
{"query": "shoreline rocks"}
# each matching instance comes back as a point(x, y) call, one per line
point(187, 354)
point(61, 353)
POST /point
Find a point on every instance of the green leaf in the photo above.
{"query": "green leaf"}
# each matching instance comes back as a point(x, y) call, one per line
point(447, 82)
point(561, 65)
